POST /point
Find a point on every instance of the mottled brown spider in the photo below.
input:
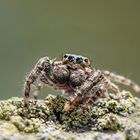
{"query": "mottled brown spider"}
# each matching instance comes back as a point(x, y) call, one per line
point(58, 74)
point(75, 77)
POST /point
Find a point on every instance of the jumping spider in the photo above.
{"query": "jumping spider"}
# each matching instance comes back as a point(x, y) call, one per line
point(76, 78)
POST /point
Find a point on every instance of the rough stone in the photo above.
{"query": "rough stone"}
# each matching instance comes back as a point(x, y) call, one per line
point(111, 118)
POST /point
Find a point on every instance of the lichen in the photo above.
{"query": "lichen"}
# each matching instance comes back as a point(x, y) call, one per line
point(109, 122)
point(133, 133)
point(6, 110)
point(46, 117)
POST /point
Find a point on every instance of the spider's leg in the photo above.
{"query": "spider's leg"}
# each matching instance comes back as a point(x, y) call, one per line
point(71, 103)
point(122, 80)
point(38, 89)
point(93, 79)
point(27, 86)
point(95, 93)
point(69, 93)
point(99, 90)
point(110, 85)
point(42, 64)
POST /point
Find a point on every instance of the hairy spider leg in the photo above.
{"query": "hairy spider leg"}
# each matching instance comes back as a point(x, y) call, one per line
point(38, 89)
point(95, 93)
point(43, 70)
point(94, 78)
point(99, 90)
point(27, 86)
point(43, 63)
point(110, 85)
point(122, 80)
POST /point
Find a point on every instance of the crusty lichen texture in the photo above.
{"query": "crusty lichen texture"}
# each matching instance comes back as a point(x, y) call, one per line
point(118, 115)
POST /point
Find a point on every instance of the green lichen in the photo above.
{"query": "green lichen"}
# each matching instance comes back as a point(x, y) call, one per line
point(70, 119)
point(8, 127)
point(47, 117)
point(6, 110)
point(25, 125)
point(109, 122)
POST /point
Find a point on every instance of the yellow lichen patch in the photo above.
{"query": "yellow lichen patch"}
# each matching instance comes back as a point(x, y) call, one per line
point(8, 128)
point(6, 110)
point(109, 122)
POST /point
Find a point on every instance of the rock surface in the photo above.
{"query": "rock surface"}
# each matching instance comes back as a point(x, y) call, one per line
point(110, 118)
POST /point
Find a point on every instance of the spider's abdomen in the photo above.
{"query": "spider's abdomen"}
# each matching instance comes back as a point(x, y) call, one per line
point(61, 74)
point(77, 77)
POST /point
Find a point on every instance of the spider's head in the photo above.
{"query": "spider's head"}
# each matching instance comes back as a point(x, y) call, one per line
point(76, 61)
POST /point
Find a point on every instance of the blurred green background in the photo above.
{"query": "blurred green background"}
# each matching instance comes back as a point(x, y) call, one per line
point(108, 32)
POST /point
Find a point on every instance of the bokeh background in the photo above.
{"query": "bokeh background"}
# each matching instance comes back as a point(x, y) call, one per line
point(108, 32)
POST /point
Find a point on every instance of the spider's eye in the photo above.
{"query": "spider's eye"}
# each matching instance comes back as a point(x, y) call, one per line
point(79, 60)
point(86, 60)
point(70, 58)
point(65, 56)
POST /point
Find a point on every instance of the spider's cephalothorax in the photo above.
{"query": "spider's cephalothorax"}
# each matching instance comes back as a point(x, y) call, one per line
point(76, 78)
point(75, 61)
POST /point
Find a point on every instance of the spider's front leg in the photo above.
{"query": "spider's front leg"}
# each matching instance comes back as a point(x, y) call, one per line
point(94, 78)
point(93, 95)
point(95, 86)
point(44, 64)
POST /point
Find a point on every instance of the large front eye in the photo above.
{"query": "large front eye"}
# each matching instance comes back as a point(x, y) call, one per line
point(70, 58)
point(79, 60)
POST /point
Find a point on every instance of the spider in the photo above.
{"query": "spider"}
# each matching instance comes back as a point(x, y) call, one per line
point(76, 78)
point(63, 75)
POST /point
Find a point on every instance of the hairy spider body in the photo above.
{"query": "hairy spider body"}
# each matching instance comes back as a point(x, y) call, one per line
point(74, 75)
point(58, 76)
point(61, 74)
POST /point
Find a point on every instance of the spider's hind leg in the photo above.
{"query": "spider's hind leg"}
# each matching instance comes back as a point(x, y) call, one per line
point(122, 80)
point(110, 85)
